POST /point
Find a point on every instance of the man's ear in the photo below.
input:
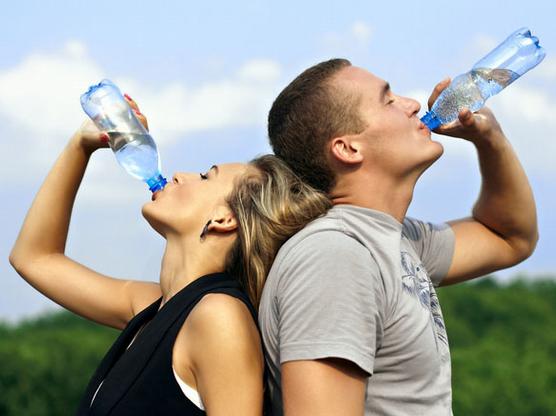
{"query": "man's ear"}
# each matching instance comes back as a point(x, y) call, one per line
point(346, 149)
point(223, 221)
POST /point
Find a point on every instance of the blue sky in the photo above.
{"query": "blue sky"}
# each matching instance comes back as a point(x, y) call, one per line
point(206, 73)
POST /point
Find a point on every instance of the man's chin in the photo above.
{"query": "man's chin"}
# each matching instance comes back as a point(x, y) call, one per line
point(436, 152)
point(440, 147)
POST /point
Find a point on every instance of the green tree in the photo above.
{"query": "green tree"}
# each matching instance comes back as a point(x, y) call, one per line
point(502, 339)
point(47, 362)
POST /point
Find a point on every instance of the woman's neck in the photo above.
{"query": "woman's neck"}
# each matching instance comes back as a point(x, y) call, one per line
point(185, 260)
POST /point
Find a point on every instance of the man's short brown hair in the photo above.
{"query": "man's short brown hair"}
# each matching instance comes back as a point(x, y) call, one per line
point(306, 115)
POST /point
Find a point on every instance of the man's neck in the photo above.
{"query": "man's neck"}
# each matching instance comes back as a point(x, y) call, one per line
point(388, 196)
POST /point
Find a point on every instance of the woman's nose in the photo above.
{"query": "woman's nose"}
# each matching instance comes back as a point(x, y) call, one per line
point(178, 177)
point(181, 177)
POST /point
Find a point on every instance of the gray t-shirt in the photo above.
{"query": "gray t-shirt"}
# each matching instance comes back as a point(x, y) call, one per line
point(358, 285)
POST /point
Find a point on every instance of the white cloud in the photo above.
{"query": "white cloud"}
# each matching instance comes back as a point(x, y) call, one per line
point(41, 94)
point(242, 99)
point(353, 40)
point(483, 44)
point(527, 116)
point(546, 69)
point(260, 70)
point(362, 32)
point(39, 101)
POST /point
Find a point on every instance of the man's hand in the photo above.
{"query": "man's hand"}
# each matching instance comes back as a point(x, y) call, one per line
point(478, 127)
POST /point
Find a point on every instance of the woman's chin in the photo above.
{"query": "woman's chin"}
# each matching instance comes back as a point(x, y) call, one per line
point(155, 223)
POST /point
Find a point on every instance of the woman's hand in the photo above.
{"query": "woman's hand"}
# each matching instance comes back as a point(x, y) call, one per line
point(90, 138)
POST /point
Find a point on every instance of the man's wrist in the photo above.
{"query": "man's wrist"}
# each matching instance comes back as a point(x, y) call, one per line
point(492, 142)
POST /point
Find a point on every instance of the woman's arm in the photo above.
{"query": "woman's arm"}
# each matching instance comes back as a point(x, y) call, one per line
point(222, 347)
point(38, 253)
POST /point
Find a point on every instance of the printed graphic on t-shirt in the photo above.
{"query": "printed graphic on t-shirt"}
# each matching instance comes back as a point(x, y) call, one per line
point(416, 282)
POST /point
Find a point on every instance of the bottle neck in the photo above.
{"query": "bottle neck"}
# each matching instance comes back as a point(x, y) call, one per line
point(431, 120)
point(156, 183)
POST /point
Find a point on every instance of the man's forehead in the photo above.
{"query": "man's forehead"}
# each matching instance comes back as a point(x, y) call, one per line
point(360, 79)
point(354, 73)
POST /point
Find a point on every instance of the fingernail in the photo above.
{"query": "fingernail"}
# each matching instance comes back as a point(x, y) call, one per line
point(128, 97)
point(104, 137)
point(138, 112)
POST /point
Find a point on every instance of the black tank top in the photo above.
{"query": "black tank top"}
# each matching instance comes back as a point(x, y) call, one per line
point(140, 380)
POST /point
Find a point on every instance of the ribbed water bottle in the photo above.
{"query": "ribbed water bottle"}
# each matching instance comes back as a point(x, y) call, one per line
point(132, 144)
point(519, 53)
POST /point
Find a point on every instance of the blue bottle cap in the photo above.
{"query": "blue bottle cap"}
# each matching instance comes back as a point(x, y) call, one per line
point(156, 183)
point(431, 120)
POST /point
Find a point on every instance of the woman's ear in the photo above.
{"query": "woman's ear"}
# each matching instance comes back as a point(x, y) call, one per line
point(346, 149)
point(223, 220)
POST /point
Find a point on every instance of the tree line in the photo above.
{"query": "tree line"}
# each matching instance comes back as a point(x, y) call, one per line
point(502, 341)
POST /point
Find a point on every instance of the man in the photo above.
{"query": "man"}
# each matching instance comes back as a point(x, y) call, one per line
point(349, 315)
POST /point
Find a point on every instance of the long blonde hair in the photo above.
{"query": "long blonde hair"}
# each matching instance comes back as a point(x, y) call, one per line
point(271, 204)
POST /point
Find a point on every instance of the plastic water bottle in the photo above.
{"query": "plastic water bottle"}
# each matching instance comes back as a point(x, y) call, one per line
point(519, 53)
point(133, 146)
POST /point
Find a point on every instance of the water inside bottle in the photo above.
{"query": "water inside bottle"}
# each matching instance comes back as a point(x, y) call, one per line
point(492, 81)
point(471, 90)
point(136, 153)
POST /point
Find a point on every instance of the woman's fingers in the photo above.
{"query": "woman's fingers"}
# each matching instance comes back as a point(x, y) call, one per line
point(441, 86)
point(137, 112)
point(131, 102)
point(142, 119)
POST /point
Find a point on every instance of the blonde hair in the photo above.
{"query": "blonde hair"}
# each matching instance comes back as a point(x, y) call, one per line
point(271, 204)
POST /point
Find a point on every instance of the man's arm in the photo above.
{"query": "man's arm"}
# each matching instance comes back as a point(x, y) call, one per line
point(502, 230)
point(323, 387)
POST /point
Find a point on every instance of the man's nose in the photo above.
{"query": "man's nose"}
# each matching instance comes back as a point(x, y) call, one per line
point(412, 106)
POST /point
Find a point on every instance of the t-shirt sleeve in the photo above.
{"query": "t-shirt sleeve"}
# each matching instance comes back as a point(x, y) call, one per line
point(434, 243)
point(330, 301)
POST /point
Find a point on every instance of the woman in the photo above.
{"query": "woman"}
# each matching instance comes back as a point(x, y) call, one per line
point(190, 344)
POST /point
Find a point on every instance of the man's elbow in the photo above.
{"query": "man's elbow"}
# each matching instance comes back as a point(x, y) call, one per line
point(15, 260)
point(523, 248)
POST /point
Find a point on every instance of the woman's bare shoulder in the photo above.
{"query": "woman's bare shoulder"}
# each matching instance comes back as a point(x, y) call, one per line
point(224, 318)
point(219, 347)
point(219, 329)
